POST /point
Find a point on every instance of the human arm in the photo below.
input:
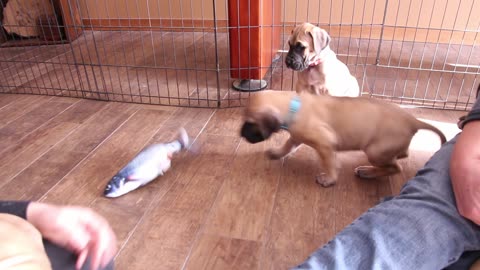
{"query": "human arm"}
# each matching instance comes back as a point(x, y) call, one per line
point(78, 229)
point(465, 172)
point(465, 166)
point(17, 208)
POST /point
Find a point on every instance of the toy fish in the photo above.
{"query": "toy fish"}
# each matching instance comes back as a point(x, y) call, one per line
point(150, 163)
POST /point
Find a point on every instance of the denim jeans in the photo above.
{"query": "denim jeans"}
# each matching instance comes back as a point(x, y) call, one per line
point(418, 229)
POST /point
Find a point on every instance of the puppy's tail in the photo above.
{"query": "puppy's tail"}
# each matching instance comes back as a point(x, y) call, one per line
point(424, 125)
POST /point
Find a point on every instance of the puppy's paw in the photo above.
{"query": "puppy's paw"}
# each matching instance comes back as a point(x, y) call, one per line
point(367, 172)
point(324, 180)
point(273, 154)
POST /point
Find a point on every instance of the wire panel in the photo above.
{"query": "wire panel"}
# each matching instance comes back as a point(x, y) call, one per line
point(179, 52)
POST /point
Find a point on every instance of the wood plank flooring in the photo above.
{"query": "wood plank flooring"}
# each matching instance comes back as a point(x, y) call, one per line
point(223, 205)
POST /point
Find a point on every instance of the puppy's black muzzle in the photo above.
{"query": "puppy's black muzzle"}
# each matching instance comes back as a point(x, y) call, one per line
point(295, 61)
point(252, 133)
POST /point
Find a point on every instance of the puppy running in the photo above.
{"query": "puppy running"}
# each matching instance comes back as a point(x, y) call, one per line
point(328, 124)
point(319, 70)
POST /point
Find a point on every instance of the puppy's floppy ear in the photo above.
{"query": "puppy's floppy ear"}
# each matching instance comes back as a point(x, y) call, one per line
point(321, 39)
point(270, 123)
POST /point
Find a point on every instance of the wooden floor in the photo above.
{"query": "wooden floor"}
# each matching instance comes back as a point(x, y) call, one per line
point(180, 68)
point(221, 206)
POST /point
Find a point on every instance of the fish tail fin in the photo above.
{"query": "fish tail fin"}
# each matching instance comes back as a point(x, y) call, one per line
point(183, 138)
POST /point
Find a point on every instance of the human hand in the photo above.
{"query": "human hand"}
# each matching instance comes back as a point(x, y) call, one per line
point(78, 229)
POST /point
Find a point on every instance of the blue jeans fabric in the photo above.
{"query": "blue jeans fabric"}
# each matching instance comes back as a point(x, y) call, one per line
point(418, 229)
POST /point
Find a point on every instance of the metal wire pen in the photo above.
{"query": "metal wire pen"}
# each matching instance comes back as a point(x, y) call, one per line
point(179, 53)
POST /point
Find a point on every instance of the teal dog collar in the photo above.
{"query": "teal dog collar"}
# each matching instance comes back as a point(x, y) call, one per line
point(295, 105)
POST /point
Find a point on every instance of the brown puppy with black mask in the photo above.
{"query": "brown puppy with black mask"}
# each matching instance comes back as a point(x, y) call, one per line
point(329, 124)
point(319, 69)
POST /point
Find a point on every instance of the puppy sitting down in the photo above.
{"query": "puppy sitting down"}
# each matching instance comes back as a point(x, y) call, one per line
point(319, 69)
point(330, 124)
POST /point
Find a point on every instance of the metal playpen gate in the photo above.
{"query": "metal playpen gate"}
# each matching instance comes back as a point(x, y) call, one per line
point(202, 53)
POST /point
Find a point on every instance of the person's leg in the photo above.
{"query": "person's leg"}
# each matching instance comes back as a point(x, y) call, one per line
point(62, 259)
point(21, 245)
point(418, 229)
